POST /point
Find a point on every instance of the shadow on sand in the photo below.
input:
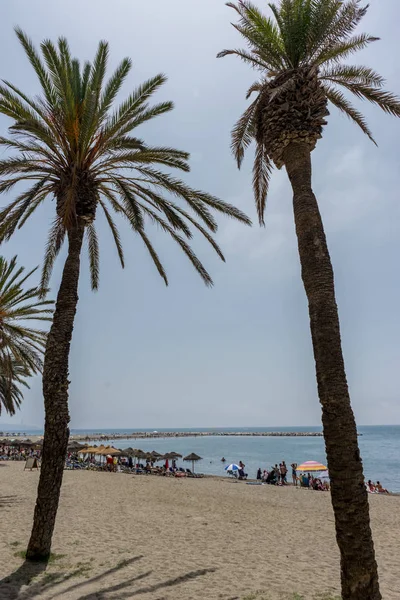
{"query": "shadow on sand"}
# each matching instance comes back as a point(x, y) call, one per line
point(32, 580)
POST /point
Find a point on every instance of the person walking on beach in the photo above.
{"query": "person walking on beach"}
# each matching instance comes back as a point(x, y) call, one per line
point(294, 474)
point(259, 473)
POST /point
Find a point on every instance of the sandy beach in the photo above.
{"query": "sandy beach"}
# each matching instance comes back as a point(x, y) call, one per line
point(120, 536)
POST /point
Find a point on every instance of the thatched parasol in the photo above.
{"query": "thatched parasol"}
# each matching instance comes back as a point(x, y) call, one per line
point(172, 456)
point(103, 451)
point(89, 450)
point(74, 445)
point(192, 458)
point(156, 455)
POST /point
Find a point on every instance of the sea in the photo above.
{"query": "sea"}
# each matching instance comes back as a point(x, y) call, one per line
point(379, 446)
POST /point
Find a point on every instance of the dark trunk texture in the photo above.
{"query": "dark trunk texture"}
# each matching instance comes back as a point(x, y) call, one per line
point(359, 573)
point(55, 392)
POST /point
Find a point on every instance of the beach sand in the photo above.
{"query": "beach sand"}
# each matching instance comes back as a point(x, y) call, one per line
point(122, 536)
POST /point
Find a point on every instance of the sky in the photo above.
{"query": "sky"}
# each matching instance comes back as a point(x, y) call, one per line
point(238, 354)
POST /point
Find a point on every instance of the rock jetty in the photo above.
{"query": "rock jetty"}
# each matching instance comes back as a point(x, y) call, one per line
point(144, 435)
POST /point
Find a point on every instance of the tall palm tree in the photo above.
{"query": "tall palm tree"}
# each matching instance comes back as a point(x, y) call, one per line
point(74, 148)
point(21, 347)
point(299, 53)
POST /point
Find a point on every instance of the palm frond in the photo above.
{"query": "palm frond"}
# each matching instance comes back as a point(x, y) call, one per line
point(21, 347)
point(94, 257)
point(54, 244)
point(341, 102)
point(243, 133)
point(114, 232)
point(261, 175)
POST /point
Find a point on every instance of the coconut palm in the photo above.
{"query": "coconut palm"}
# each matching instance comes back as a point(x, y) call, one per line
point(74, 148)
point(21, 346)
point(299, 53)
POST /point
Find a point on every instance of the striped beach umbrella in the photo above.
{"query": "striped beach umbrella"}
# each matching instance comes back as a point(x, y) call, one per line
point(232, 467)
point(311, 466)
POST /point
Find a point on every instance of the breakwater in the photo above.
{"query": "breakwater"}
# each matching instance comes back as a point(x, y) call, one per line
point(145, 435)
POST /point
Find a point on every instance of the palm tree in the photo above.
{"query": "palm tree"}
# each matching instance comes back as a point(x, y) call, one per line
point(299, 53)
point(21, 347)
point(73, 148)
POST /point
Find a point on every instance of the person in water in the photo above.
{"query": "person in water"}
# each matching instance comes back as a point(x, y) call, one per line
point(223, 459)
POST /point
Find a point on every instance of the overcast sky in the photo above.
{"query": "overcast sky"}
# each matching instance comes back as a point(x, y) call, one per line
point(239, 354)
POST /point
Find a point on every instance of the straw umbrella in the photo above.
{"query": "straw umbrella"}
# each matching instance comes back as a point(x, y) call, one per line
point(192, 458)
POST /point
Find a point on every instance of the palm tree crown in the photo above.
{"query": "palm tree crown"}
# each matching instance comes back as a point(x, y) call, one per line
point(74, 148)
point(21, 346)
point(299, 53)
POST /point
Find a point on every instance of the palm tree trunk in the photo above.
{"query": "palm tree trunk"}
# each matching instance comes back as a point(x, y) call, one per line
point(359, 574)
point(55, 392)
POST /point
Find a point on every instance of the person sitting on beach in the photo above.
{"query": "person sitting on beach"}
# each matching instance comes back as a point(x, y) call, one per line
point(304, 481)
point(283, 470)
point(381, 489)
point(271, 478)
point(242, 474)
point(371, 487)
point(294, 474)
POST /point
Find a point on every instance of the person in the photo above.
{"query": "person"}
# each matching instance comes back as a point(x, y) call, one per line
point(241, 473)
point(371, 487)
point(265, 475)
point(294, 473)
point(277, 473)
point(130, 462)
point(115, 464)
point(381, 489)
point(223, 459)
point(259, 474)
point(283, 470)
point(109, 462)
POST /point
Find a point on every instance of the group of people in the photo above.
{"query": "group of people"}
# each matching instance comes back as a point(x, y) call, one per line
point(375, 488)
point(277, 475)
point(18, 453)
